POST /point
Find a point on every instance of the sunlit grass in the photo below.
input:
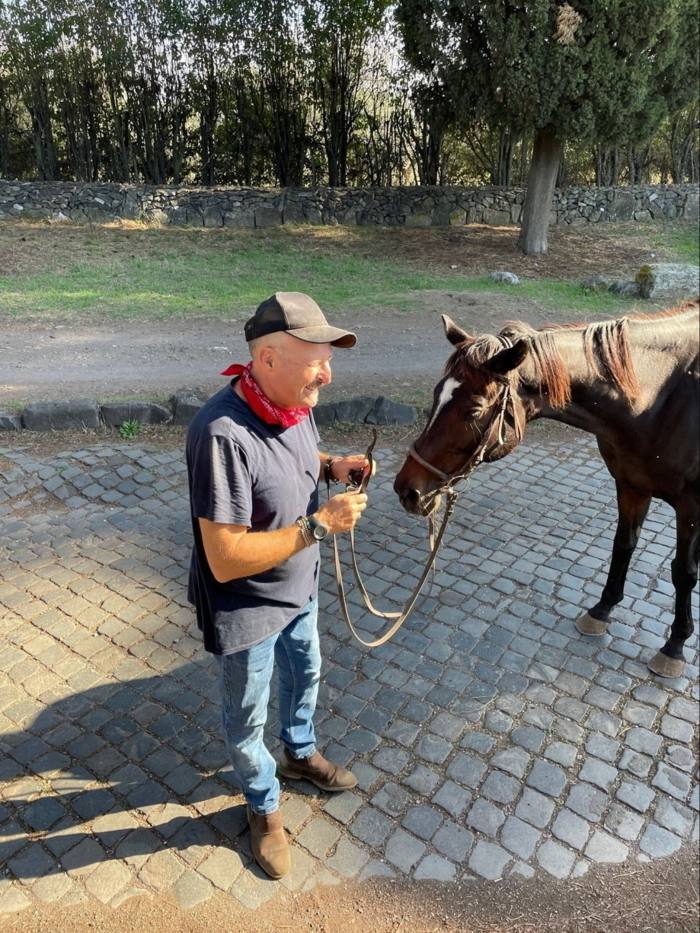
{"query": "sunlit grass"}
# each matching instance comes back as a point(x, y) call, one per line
point(228, 283)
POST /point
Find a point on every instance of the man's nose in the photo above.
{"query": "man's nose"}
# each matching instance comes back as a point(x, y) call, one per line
point(325, 373)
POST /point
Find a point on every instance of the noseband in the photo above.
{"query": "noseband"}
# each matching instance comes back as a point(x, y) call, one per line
point(450, 479)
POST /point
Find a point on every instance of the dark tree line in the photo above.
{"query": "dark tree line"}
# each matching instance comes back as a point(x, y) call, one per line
point(351, 92)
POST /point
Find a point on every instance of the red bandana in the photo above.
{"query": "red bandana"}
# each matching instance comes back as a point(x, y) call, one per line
point(266, 410)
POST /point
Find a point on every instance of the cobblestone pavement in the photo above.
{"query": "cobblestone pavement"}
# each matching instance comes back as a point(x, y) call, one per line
point(489, 737)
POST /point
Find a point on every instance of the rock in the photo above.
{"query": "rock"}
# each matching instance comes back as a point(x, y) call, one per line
point(185, 404)
point(622, 206)
point(495, 218)
point(386, 411)
point(626, 289)
point(239, 218)
point(692, 206)
point(115, 414)
point(267, 217)
point(595, 283)
point(365, 410)
point(354, 410)
point(677, 278)
point(52, 416)
point(419, 220)
point(10, 422)
point(213, 217)
point(509, 278)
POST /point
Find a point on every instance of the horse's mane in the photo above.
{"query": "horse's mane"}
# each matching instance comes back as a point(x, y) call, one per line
point(606, 346)
point(467, 361)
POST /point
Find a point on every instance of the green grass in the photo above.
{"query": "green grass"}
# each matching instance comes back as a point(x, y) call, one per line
point(220, 284)
point(555, 295)
point(682, 242)
point(228, 283)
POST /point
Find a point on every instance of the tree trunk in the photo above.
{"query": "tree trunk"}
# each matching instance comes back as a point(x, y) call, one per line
point(537, 209)
point(505, 157)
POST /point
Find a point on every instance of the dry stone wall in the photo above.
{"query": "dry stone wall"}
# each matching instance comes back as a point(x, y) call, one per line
point(265, 207)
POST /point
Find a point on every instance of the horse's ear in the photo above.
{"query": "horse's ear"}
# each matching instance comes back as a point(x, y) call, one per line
point(508, 359)
point(453, 333)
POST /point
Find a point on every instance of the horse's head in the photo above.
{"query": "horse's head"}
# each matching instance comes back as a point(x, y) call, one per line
point(476, 415)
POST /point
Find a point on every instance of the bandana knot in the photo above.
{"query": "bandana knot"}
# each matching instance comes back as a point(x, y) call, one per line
point(266, 410)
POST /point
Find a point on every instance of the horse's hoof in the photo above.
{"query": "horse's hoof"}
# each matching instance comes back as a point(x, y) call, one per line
point(587, 625)
point(664, 666)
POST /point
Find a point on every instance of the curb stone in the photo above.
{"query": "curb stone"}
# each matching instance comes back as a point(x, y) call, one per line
point(182, 407)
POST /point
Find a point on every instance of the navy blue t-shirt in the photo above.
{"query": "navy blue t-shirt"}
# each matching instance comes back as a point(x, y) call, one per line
point(242, 471)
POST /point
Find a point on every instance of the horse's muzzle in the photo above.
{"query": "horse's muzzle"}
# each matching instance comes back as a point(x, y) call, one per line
point(414, 501)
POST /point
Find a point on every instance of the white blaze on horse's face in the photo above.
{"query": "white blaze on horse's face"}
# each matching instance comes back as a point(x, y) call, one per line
point(449, 387)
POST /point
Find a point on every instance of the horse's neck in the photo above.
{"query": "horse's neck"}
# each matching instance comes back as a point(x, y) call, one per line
point(661, 350)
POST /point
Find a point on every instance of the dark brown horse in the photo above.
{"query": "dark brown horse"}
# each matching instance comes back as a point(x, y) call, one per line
point(633, 382)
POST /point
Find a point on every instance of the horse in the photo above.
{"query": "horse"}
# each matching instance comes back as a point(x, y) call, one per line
point(634, 383)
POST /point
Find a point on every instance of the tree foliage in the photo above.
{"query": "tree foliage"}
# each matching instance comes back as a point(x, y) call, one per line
point(320, 91)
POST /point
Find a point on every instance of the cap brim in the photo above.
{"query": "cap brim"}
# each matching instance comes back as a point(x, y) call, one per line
point(324, 333)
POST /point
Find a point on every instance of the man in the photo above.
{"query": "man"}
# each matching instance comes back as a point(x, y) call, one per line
point(254, 467)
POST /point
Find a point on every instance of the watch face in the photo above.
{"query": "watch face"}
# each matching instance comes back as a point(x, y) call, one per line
point(318, 530)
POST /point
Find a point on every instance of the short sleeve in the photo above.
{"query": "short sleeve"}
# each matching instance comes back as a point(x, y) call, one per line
point(221, 485)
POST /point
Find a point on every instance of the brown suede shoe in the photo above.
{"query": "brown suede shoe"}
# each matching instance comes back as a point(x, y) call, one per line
point(268, 842)
point(317, 769)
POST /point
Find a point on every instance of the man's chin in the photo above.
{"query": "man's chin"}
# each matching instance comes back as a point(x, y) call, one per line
point(310, 398)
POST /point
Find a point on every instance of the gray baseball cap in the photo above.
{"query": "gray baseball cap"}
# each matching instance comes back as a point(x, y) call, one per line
point(298, 315)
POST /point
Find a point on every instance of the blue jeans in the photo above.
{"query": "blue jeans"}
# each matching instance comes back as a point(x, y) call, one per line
point(245, 691)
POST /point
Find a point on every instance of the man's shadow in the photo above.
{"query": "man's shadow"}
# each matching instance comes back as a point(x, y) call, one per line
point(151, 746)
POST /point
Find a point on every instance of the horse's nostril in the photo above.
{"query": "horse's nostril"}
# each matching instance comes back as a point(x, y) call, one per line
point(410, 497)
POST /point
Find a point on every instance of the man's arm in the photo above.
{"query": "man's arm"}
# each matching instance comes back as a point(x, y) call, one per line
point(233, 551)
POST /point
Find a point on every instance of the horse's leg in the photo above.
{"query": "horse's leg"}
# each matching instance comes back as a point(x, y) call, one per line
point(632, 508)
point(668, 662)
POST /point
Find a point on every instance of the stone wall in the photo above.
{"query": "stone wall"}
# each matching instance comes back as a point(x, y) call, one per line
point(265, 207)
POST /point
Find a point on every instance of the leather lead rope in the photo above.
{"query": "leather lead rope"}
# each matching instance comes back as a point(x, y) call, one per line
point(398, 617)
point(448, 488)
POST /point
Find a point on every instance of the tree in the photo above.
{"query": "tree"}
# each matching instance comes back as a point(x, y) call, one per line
point(602, 70)
point(338, 32)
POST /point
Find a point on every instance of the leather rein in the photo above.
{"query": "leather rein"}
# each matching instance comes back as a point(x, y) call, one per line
point(449, 482)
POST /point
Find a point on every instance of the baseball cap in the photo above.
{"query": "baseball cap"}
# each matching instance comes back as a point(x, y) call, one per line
point(298, 315)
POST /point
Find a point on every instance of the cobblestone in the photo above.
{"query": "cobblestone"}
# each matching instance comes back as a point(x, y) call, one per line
point(605, 848)
point(489, 860)
point(571, 829)
point(556, 859)
point(489, 739)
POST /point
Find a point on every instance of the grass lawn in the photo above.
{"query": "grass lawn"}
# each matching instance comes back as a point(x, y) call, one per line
point(68, 272)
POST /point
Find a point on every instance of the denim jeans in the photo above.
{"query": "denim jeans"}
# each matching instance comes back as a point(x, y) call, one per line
point(245, 691)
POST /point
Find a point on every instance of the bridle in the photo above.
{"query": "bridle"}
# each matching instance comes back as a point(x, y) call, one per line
point(499, 417)
point(449, 482)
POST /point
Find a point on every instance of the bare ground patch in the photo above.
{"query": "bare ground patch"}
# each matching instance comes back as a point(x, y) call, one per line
point(28, 247)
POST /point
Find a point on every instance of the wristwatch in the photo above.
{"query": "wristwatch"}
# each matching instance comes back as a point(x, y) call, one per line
point(318, 529)
point(311, 528)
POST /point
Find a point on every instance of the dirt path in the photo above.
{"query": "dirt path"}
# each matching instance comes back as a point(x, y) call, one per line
point(658, 897)
point(399, 354)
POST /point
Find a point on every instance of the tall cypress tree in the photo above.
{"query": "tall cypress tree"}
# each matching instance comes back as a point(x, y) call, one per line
point(598, 70)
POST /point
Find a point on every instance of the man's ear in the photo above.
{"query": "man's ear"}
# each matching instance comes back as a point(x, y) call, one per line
point(266, 356)
point(507, 360)
point(453, 333)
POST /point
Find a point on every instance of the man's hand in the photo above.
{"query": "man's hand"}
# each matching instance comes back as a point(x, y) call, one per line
point(356, 464)
point(342, 512)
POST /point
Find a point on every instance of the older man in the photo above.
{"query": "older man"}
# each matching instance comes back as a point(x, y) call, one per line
point(254, 467)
